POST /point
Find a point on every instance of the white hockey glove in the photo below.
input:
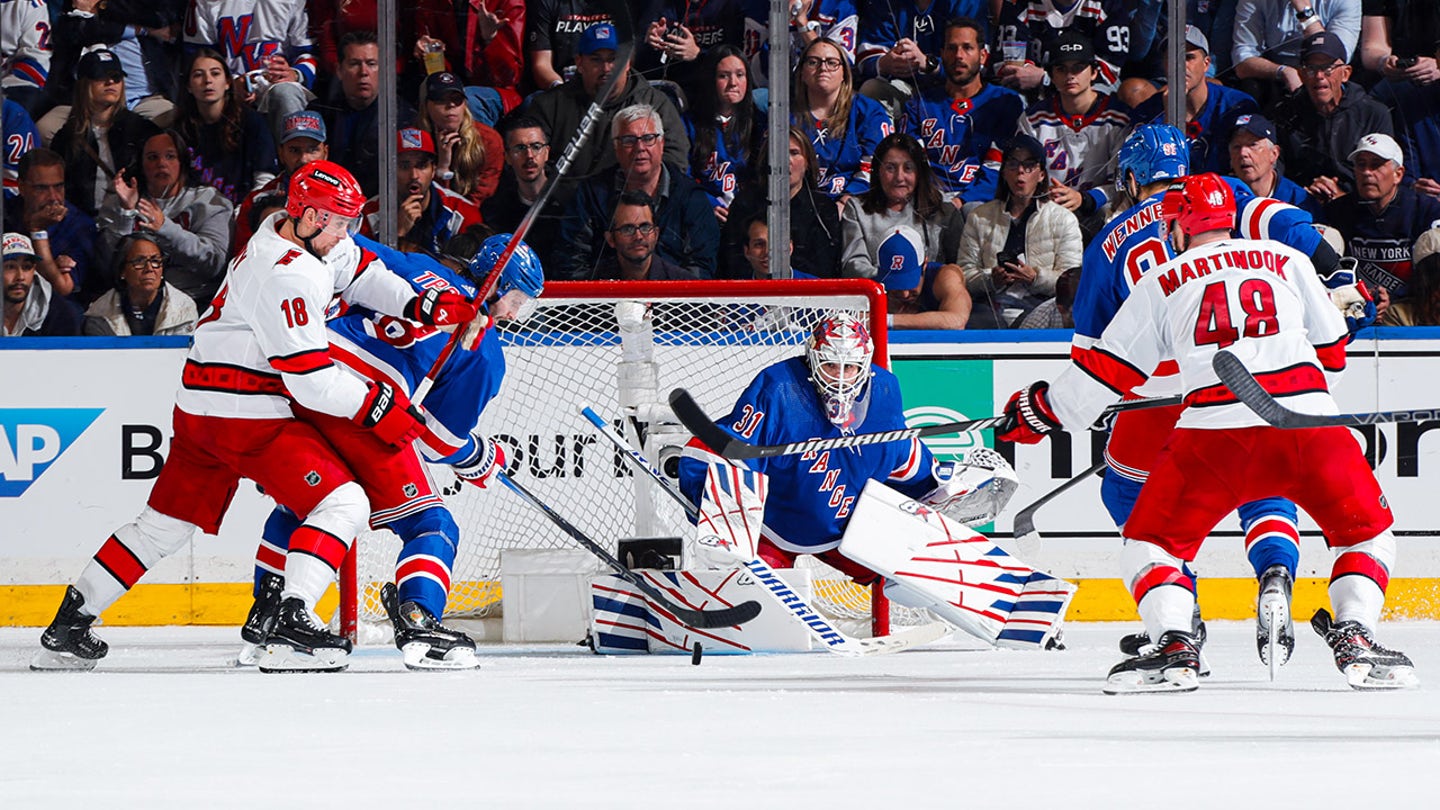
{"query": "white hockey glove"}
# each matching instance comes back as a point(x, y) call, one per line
point(732, 511)
point(974, 491)
point(481, 467)
point(1350, 295)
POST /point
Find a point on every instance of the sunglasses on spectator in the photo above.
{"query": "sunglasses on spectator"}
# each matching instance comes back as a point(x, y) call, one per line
point(141, 261)
point(816, 63)
point(644, 229)
point(1321, 70)
point(522, 148)
point(629, 141)
point(1023, 165)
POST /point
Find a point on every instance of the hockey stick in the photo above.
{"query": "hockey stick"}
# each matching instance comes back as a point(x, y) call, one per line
point(1024, 525)
point(625, 36)
point(724, 617)
point(1249, 391)
point(827, 634)
point(694, 418)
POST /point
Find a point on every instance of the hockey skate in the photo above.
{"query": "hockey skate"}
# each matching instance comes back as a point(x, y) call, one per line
point(261, 619)
point(425, 643)
point(299, 643)
point(68, 644)
point(1274, 629)
point(1173, 665)
point(1139, 643)
point(1367, 665)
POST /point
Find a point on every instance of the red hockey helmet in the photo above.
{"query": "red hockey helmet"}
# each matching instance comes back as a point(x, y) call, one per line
point(328, 188)
point(1199, 203)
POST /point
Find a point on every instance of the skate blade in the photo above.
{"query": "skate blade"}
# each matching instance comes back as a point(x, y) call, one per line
point(250, 655)
point(284, 658)
point(1174, 680)
point(51, 661)
point(417, 657)
point(1271, 629)
point(1375, 678)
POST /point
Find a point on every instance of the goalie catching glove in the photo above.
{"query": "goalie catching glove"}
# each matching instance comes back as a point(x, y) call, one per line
point(488, 459)
point(388, 412)
point(441, 308)
point(974, 491)
point(1350, 295)
point(1028, 416)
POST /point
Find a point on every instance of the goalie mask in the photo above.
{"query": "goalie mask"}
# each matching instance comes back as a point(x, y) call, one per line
point(839, 353)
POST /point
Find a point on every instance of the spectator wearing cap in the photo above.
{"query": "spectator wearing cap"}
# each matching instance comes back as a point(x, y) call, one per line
point(1015, 247)
point(1080, 128)
point(1254, 159)
point(1382, 220)
point(470, 154)
point(1421, 305)
point(481, 41)
point(428, 214)
point(632, 236)
point(527, 152)
point(101, 136)
point(1319, 127)
point(1210, 108)
point(352, 118)
point(190, 221)
point(302, 139)
point(1269, 33)
point(552, 33)
point(1029, 30)
point(231, 147)
point(142, 302)
point(560, 109)
point(689, 232)
point(920, 262)
point(62, 235)
point(31, 308)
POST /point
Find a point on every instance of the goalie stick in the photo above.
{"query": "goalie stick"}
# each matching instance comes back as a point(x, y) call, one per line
point(693, 417)
point(1024, 525)
point(469, 332)
point(723, 617)
point(1248, 390)
point(830, 637)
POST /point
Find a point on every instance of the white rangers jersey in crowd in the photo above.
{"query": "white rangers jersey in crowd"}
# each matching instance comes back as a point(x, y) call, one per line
point(248, 32)
point(1080, 150)
point(24, 43)
point(838, 23)
point(263, 340)
point(1258, 298)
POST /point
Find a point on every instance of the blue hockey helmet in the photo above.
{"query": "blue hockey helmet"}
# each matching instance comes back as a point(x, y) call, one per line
point(1154, 152)
point(523, 272)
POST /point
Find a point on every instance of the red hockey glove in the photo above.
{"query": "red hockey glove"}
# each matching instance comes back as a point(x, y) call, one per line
point(480, 469)
point(387, 411)
point(1028, 416)
point(440, 308)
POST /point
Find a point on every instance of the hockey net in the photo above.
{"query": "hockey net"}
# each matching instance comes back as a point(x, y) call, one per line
point(619, 347)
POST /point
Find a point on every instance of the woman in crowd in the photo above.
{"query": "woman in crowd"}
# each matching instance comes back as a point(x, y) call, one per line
point(1421, 305)
point(814, 221)
point(727, 130)
point(190, 222)
point(101, 137)
point(469, 155)
point(142, 303)
point(844, 126)
point(901, 223)
point(231, 147)
point(1016, 246)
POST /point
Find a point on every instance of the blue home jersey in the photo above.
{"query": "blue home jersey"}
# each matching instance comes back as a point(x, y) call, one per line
point(963, 138)
point(722, 171)
point(813, 495)
point(845, 161)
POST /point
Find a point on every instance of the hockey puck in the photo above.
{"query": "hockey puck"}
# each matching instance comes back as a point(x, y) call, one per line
point(695, 654)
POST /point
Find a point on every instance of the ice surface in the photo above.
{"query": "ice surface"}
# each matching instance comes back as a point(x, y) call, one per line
point(168, 722)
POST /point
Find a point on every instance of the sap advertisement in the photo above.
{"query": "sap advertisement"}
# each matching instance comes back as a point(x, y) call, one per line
point(85, 425)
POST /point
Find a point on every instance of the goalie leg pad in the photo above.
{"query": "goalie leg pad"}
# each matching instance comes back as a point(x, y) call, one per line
point(732, 510)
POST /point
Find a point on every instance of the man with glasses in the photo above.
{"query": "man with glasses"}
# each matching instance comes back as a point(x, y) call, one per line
point(632, 236)
point(63, 236)
point(527, 155)
point(1321, 125)
point(689, 233)
point(1267, 33)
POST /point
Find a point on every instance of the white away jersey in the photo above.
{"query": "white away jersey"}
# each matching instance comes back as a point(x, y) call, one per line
point(1258, 298)
point(263, 340)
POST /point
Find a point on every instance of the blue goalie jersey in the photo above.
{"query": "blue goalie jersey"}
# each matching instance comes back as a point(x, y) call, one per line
point(813, 495)
point(385, 347)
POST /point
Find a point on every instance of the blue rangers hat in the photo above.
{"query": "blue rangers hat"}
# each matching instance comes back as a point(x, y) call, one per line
point(597, 37)
point(900, 259)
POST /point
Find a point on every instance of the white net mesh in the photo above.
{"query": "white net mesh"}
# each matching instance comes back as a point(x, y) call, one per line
point(622, 356)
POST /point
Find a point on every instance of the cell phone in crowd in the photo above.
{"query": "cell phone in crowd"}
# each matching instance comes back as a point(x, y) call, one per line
point(1005, 257)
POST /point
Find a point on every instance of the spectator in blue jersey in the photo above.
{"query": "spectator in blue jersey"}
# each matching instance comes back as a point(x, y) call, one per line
point(1029, 29)
point(902, 234)
point(1421, 306)
point(1320, 126)
point(32, 309)
point(814, 222)
point(1268, 36)
point(20, 137)
point(632, 236)
point(1382, 220)
point(62, 235)
point(844, 127)
point(962, 123)
point(142, 303)
point(231, 147)
point(1398, 39)
point(900, 43)
point(689, 234)
point(1015, 247)
point(727, 131)
point(1210, 108)
point(1254, 159)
